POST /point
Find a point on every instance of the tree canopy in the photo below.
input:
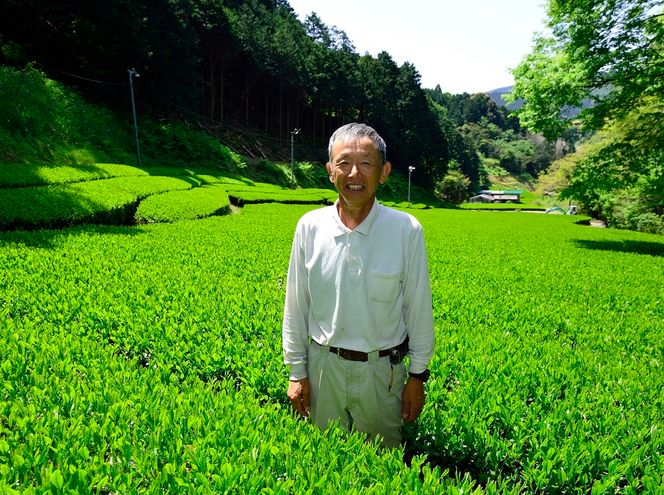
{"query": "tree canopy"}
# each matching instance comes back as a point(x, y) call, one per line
point(609, 53)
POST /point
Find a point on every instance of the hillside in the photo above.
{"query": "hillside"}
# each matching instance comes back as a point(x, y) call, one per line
point(252, 66)
point(67, 161)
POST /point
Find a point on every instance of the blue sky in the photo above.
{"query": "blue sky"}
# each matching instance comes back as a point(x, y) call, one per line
point(463, 45)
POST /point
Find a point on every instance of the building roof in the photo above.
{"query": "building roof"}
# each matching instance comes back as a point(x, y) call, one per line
point(483, 196)
point(494, 193)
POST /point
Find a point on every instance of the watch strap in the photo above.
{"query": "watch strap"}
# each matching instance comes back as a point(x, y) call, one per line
point(423, 377)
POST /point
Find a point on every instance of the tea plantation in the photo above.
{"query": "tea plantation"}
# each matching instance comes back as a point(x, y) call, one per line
point(146, 358)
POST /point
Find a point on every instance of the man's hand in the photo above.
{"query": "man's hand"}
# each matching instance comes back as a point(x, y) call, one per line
point(412, 399)
point(298, 393)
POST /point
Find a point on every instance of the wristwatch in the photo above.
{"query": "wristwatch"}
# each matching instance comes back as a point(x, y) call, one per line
point(423, 377)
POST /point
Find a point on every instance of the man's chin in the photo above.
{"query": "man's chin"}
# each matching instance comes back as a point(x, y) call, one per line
point(357, 200)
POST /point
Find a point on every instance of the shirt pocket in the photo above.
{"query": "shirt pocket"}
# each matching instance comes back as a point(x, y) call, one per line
point(384, 287)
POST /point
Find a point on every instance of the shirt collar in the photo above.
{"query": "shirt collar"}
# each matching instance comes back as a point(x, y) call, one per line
point(338, 227)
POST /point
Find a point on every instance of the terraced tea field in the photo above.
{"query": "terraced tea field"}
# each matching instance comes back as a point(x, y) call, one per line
point(147, 358)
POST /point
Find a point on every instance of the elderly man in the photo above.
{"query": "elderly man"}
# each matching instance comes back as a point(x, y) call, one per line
point(358, 299)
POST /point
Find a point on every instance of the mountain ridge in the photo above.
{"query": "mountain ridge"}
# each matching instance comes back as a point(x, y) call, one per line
point(497, 96)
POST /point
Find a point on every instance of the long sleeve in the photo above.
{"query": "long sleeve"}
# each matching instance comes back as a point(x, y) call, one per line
point(417, 305)
point(296, 311)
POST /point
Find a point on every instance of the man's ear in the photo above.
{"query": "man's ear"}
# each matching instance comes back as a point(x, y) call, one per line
point(328, 166)
point(387, 168)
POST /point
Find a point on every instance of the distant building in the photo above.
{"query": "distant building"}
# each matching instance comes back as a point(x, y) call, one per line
point(488, 196)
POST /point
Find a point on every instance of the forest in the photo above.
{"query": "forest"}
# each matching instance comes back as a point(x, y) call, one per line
point(253, 65)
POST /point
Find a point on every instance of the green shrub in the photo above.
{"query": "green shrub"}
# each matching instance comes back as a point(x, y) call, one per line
point(453, 187)
point(501, 206)
point(15, 175)
point(174, 206)
point(143, 359)
point(100, 201)
point(181, 145)
point(309, 174)
point(241, 196)
point(627, 209)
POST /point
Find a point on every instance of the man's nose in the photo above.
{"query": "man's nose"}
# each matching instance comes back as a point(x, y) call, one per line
point(354, 170)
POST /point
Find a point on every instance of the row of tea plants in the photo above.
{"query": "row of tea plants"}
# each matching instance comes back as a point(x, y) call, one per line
point(147, 358)
point(47, 196)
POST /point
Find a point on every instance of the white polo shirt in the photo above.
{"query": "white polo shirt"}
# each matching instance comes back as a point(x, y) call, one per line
point(363, 289)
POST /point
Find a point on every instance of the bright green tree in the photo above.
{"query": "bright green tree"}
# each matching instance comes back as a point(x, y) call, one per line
point(453, 187)
point(609, 55)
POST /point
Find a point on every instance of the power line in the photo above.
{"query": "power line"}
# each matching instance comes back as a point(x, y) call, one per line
point(97, 81)
point(76, 76)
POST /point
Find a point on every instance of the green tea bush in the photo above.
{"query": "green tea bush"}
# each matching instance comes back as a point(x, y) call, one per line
point(21, 175)
point(548, 354)
point(406, 205)
point(174, 206)
point(79, 418)
point(148, 358)
point(248, 195)
point(101, 201)
point(129, 376)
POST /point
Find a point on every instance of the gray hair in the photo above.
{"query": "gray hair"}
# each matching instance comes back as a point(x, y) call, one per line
point(353, 131)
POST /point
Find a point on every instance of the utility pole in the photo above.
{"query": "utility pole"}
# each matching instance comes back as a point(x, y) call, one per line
point(132, 73)
point(292, 155)
point(410, 171)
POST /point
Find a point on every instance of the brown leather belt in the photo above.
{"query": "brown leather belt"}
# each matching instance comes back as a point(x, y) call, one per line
point(351, 355)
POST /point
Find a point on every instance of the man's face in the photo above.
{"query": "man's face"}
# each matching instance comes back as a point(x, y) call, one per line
point(356, 171)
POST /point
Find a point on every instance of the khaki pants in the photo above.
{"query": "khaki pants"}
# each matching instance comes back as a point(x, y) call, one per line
point(364, 396)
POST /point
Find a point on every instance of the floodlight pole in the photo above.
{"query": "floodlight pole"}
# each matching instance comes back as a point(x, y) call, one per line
point(410, 171)
point(292, 155)
point(132, 74)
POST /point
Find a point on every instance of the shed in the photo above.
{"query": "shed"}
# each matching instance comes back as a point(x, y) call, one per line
point(489, 196)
